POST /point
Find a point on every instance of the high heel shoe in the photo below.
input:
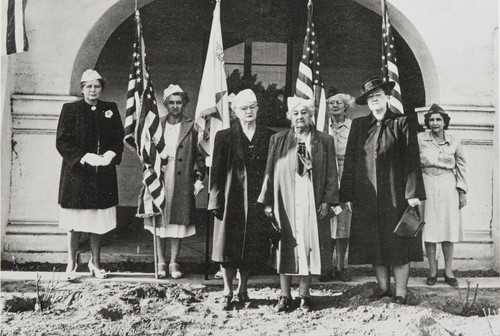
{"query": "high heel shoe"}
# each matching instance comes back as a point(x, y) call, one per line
point(98, 273)
point(71, 275)
point(174, 271)
point(162, 270)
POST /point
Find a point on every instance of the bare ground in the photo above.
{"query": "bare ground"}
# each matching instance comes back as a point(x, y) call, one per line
point(113, 308)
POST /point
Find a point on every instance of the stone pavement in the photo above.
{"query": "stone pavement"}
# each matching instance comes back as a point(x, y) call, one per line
point(268, 280)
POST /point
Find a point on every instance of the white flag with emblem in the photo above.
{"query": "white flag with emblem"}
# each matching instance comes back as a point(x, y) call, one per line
point(212, 110)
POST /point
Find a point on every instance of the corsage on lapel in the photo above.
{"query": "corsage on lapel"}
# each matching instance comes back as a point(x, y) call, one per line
point(108, 114)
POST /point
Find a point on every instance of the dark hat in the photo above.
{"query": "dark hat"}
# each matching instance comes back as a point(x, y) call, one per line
point(435, 108)
point(371, 85)
point(332, 91)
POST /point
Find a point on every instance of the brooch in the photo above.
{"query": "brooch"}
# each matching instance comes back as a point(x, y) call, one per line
point(108, 114)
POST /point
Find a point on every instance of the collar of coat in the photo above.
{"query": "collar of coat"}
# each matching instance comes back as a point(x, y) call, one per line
point(236, 133)
point(292, 140)
point(186, 125)
point(389, 115)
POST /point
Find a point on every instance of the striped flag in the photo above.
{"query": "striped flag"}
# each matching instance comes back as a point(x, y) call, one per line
point(309, 83)
point(212, 110)
point(389, 62)
point(143, 130)
point(14, 39)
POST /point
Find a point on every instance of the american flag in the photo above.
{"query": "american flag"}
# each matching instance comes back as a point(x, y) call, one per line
point(389, 62)
point(143, 130)
point(14, 39)
point(309, 83)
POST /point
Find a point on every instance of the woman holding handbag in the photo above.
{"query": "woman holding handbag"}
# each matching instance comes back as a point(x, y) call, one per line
point(381, 178)
point(443, 167)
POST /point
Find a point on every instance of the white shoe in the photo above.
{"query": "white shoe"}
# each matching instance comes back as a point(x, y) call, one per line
point(174, 271)
point(98, 273)
point(70, 275)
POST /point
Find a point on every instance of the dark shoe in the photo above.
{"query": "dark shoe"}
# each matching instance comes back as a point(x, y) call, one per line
point(327, 276)
point(344, 275)
point(227, 302)
point(379, 294)
point(284, 304)
point(243, 297)
point(305, 304)
point(400, 300)
point(451, 281)
point(431, 281)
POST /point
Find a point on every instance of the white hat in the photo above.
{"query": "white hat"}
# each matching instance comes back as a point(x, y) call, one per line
point(293, 102)
point(230, 98)
point(244, 97)
point(89, 75)
point(172, 88)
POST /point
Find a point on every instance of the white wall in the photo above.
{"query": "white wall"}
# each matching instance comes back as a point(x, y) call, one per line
point(453, 41)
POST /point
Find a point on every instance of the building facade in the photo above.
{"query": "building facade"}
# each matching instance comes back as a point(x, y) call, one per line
point(447, 54)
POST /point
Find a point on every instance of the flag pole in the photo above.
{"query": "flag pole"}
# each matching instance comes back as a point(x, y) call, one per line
point(209, 222)
point(155, 245)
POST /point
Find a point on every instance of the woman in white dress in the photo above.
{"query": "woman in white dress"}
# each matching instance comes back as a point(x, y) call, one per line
point(183, 174)
point(300, 186)
point(443, 168)
point(90, 141)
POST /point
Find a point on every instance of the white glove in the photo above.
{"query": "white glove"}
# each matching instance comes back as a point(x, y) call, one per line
point(92, 159)
point(413, 201)
point(348, 206)
point(336, 210)
point(107, 158)
point(198, 186)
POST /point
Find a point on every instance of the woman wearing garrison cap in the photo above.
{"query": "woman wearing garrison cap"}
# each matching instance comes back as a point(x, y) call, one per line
point(90, 141)
point(240, 239)
point(443, 167)
point(183, 176)
point(381, 177)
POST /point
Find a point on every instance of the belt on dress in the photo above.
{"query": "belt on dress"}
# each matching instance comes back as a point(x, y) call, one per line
point(434, 171)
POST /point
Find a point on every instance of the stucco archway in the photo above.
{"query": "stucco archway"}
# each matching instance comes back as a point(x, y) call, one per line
point(97, 37)
point(417, 44)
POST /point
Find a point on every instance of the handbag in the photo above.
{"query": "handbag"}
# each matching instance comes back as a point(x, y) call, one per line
point(410, 223)
point(274, 231)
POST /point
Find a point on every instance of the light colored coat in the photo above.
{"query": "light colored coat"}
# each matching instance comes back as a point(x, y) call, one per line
point(278, 191)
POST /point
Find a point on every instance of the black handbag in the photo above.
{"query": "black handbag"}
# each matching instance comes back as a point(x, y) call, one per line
point(274, 231)
point(410, 223)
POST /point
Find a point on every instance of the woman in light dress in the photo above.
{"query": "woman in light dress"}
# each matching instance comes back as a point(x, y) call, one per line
point(443, 168)
point(183, 174)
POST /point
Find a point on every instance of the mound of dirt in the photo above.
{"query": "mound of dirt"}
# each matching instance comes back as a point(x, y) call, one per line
point(111, 308)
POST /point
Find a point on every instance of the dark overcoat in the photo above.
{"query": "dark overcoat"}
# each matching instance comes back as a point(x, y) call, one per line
point(278, 191)
point(83, 130)
point(241, 234)
point(378, 184)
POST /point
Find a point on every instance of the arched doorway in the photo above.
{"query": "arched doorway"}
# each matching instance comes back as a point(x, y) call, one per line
point(176, 39)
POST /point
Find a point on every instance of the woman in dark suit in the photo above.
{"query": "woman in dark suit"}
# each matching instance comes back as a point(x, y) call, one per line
point(90, 141)
point(238, 165)
point(185, 170)
point(381, 178)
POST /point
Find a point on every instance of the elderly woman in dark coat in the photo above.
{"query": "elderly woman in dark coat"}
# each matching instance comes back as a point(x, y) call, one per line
point(300, 186)
point(238, 166)
point(90, 141)
point(185, 167)
point(381, 178)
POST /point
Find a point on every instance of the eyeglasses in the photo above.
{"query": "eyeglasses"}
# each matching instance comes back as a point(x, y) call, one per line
point(253, 107)
point(377, 95)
